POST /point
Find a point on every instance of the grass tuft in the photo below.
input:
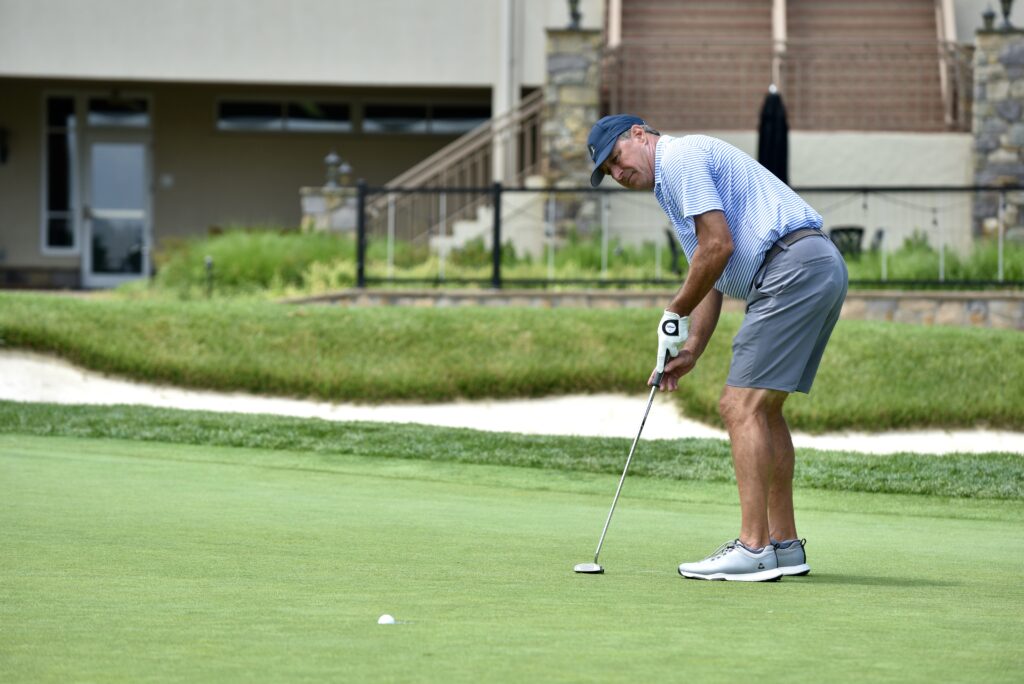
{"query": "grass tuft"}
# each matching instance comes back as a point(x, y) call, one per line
point(992, 476)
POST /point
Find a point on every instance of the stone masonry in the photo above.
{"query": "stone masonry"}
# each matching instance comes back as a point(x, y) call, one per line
point(969, 309)
point(998, 127)
point(571, 101)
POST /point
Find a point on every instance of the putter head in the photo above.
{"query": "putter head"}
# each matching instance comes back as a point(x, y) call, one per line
point(589, 569)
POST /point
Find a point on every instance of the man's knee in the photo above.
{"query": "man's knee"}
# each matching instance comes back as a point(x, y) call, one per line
point(735, 406)
point(739, 404)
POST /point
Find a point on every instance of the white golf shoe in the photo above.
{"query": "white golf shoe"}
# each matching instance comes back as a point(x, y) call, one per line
point(792, 557)
point(733, 561)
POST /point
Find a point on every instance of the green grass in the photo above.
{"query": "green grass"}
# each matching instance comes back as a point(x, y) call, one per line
point(276, 261)
point(962, 476)
point(918, 260)
point(130, 561)
point(874, 376)
point(244, 261)
point(271, 262)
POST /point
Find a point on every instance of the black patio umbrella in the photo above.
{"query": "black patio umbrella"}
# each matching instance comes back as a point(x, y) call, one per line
point(773, 136)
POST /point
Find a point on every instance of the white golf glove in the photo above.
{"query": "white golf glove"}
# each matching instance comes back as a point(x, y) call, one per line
point(672, 333)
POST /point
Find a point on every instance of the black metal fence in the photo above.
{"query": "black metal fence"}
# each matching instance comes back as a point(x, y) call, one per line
point(961, 236)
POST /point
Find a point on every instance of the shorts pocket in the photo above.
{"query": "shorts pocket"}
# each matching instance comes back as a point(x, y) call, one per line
point(819, 259)
point(775, 281)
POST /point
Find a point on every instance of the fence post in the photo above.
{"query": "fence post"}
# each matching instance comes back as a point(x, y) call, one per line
point(549, 233)
point(442, 244)
point(605, 209)
point(361, 233)
point(1002, 231)
point(496, 239)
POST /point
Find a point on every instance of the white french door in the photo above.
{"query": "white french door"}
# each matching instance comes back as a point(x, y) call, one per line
point(116, 207)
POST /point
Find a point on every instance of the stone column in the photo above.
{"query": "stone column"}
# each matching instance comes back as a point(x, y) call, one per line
point(998, 127)
point(572, 99)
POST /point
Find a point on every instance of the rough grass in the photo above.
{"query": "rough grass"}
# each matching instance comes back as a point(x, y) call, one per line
point(999, 476)
point(874, 376)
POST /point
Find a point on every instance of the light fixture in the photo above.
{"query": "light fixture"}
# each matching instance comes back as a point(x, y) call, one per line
point(574, 15)
point(988, 18)
point(1007, 6)
point(333, 161)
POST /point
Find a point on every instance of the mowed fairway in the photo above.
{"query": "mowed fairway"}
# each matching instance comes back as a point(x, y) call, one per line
point(132, 561)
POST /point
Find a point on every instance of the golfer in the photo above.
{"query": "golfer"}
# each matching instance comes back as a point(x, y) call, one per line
point(746, 234)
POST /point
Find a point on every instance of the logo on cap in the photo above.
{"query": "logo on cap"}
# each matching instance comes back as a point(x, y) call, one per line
point(593, 151)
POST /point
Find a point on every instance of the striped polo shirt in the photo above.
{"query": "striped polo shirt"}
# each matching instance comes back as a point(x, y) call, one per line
point(697, 173)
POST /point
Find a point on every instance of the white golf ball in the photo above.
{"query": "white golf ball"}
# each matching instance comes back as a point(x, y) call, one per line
point(385, 619)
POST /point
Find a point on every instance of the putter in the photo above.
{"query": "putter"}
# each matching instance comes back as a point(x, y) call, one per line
point(595, 568)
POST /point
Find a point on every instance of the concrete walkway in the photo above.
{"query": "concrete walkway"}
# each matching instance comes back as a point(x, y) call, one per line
point(37, 378)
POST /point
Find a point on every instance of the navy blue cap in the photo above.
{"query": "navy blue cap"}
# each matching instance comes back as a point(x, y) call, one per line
point(602, 139)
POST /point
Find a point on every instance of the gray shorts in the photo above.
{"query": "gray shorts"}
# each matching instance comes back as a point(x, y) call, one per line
point(791, 310)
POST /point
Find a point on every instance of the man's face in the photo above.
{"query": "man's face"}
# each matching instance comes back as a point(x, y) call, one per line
point(631, 163)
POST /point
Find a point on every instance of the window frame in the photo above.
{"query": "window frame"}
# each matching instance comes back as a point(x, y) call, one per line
point(74, 202)
point(283, 104)
point(80, 100)
point(428, 121)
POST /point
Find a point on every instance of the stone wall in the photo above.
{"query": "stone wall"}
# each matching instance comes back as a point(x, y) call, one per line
point(571, 103)
point(998, 127)
point(981, 309)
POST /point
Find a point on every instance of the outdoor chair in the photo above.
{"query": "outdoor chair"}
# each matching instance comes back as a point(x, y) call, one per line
point(673, 248)
point(877, 240)
point(847, 239)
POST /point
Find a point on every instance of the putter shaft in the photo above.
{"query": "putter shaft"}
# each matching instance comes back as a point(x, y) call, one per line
point(618, 490)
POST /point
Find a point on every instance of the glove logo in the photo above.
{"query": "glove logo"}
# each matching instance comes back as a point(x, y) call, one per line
point(670, 328)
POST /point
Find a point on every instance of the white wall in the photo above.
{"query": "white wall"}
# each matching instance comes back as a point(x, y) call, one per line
point(340, 42)
point(869, 158)
point(853, 159)
point(968, 16)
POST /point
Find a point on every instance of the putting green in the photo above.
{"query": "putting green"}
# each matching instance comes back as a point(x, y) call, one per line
point(130, 561)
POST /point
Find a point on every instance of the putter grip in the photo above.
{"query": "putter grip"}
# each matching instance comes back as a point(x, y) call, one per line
point(657, 376)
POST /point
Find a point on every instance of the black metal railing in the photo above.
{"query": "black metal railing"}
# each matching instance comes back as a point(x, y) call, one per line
point(949, 236)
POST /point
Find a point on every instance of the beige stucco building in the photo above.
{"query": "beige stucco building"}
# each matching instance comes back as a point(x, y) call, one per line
point(126, 123)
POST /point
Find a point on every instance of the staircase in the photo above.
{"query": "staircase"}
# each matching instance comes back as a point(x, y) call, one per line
point(704, 65)
point(449, 219)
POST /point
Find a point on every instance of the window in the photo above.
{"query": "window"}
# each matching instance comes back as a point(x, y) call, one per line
point(250, 116)
point(395, 119)
point(432, 119)
point(458, 119)
point(118, 112)
point(317, 116)
point(293, 115)
point(58, 225)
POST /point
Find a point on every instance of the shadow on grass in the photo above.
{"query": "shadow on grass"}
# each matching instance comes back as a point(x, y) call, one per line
point(872, 581)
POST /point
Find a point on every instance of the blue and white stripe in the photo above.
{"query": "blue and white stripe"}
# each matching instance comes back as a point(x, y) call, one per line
point(695, 174)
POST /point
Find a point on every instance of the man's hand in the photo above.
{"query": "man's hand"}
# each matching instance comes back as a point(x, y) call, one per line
point(675, 370)
point(672, 333)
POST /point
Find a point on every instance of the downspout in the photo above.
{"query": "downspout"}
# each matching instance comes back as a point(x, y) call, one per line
point(778, 41)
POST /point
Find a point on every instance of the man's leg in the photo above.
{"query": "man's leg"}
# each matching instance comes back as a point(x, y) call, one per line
point(781, 520)
point(749, 415)
point(752, 418)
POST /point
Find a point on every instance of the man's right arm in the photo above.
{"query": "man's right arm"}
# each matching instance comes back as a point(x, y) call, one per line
point(714, 248)
point(703, 322)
